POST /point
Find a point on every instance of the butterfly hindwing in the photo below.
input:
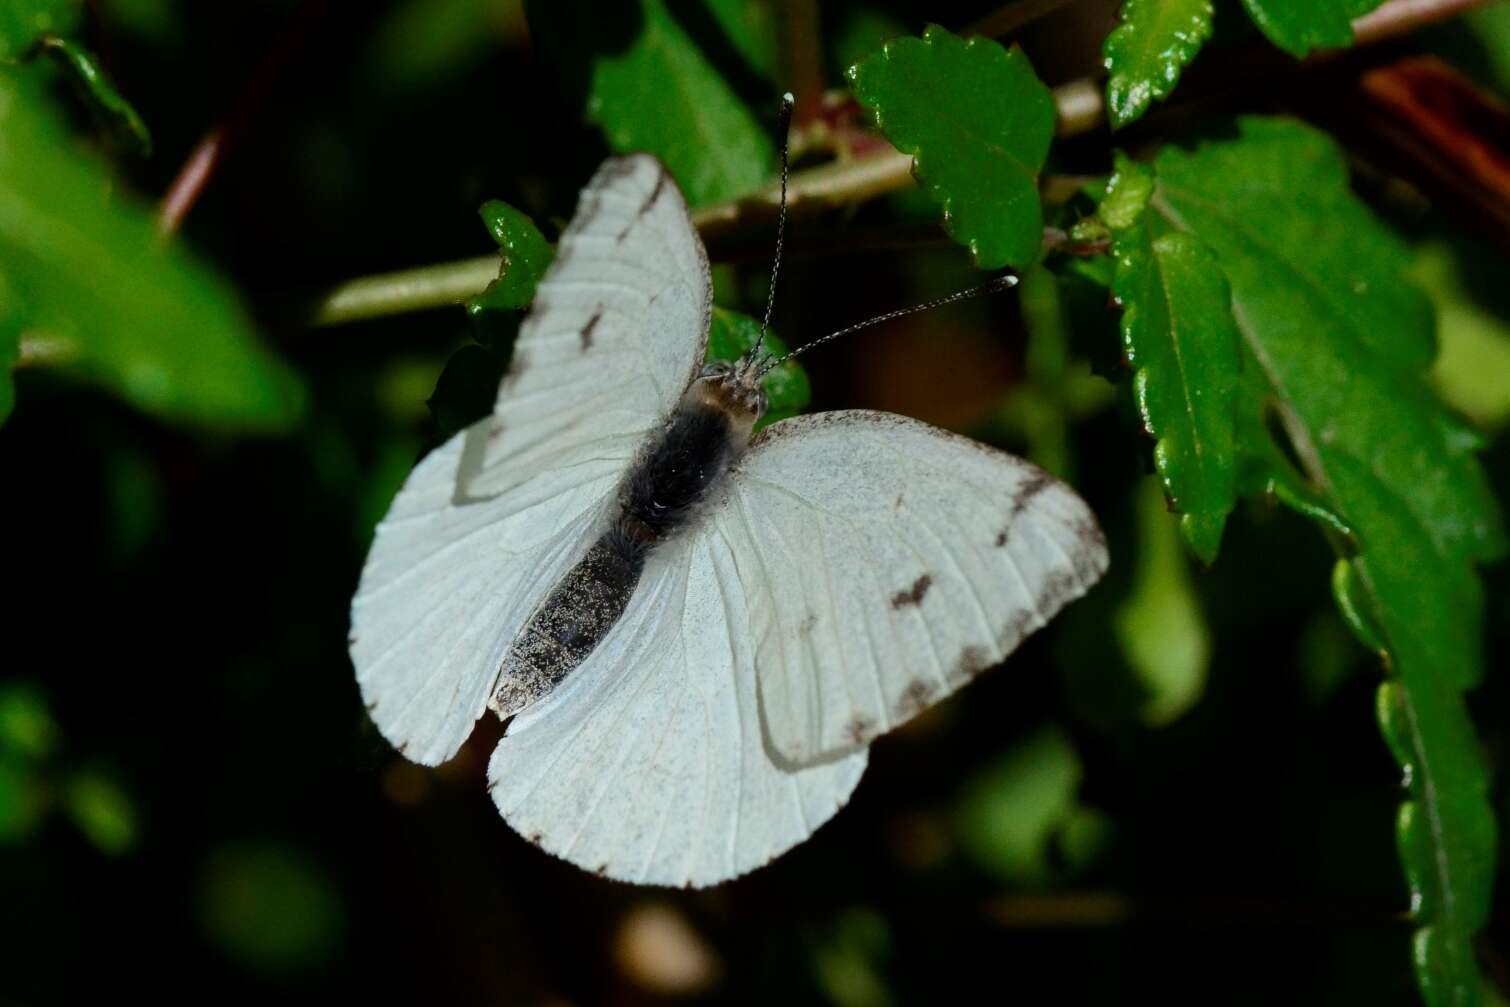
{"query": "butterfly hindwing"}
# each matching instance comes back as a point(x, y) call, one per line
point(488, 523)
point(887, 563)
point(650, 763)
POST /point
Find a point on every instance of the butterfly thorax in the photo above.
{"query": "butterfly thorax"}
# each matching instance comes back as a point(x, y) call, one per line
point(675, 473)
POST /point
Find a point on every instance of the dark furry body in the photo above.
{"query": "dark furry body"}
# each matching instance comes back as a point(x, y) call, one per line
point(658, 497)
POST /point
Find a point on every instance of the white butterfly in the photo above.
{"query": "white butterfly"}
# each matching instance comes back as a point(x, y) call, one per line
point(696, 631)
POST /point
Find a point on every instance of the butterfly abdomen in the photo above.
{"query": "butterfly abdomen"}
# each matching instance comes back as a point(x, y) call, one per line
point(571, 621)
point(659, 495)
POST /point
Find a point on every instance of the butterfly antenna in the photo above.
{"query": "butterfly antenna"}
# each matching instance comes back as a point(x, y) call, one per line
point(785, 117)
point(989, 287)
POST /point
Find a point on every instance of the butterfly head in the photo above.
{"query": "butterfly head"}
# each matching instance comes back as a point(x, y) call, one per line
point(732, 388)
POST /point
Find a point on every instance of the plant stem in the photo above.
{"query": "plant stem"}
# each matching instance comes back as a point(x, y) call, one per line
point(194, 176)
point(801, 56)
point(1400, 17)
point(1080, 107)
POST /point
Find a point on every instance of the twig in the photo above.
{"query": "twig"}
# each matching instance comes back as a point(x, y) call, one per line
point(1072, 910)
point(801, 57)
point(405, 290)
point(197, 170)
point(1014, 16)
point(1080, 107)
point(44, 351)
point(1400, 17)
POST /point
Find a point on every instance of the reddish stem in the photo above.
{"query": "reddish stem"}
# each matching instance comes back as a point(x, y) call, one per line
point(195, 175)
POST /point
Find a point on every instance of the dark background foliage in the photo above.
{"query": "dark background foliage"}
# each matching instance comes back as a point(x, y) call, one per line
point(195, 804)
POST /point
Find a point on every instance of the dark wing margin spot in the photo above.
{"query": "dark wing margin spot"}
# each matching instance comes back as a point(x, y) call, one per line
point(915, 698)
point(372, 706)
point(860, 729)
point(587, 330)
point(403, 747)
point(661, 178)
point(1031, 487)
point(972, 661)
point(913, 595)
point(1001, 538)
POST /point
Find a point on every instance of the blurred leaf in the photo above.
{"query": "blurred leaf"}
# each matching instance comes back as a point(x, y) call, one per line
point(421, 42)
point(1471, 368)
point(1490, 24)
point(158, 21)
point(1328, 658)
point(786, 386)
point(10, 350)
point(526, 254)
point(467, 388)
point(750, 27)
point(381, 482)
point(27, 727)
point(862, 31)
point(1010, 812)
point(1298, 26)
point(103, 812)
point(1145, 54)
point(143, 319)
point(271, 908)
point(96, 85)
point(1318, 293)
point(23, 21)
point(22, 800)
point(136, 504)
point(847, 963)
point(978, 123)
point(638, 75)
point(1160, 626)
point(1179, 337)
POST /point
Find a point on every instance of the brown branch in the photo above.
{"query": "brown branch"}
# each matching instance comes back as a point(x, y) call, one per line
point(211, 150)
point(1401, 17)
point(1080, 108)
point(801, 57)
point(1075, 910)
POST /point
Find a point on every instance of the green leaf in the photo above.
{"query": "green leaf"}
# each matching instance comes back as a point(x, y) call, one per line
point(786, 386)
point(1160, 627)
point(27, 727)
point(23, 800)
point(1179, 338)
point(271, 908)
point(1298, 26)
point(638, 75)
point(10, 349)
point(1474, 359)
point(22, 22)
point(92, 79)
point(1342, 340)
point(978, 124)
point(144, 319)
point(103, 812)
point(526, 254)
point(1012, 812)
point(1147, 52)
point(749, 26)
point(421, 43)
point(467, 388)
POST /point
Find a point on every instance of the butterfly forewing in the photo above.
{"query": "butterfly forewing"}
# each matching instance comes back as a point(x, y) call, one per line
point(488, 523)
point(888, 563)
